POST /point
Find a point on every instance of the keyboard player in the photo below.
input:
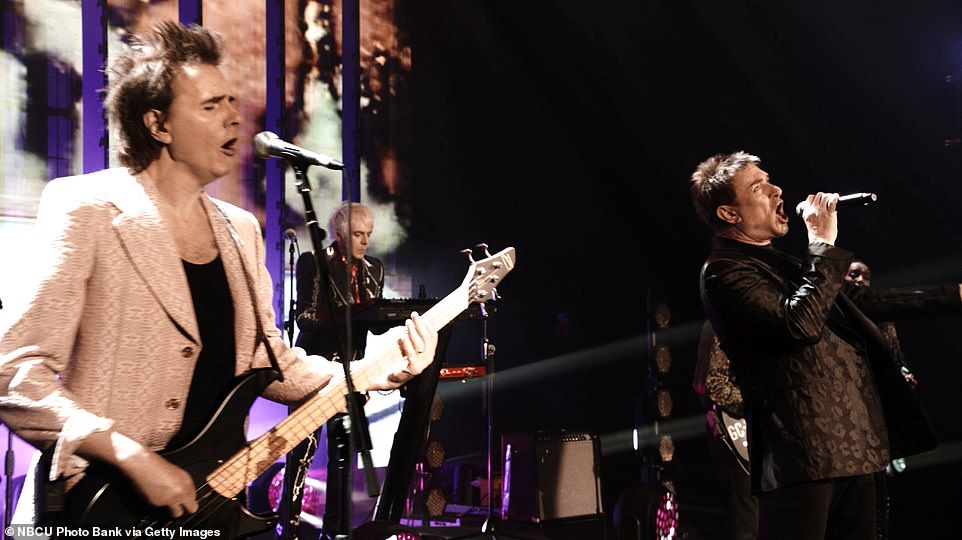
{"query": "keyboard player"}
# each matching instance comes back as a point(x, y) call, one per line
point(354, 278)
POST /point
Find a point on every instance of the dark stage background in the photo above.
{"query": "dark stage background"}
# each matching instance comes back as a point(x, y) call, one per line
point(568, 129)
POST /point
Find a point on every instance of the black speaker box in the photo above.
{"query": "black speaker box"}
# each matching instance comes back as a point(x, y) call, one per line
point(551, 476)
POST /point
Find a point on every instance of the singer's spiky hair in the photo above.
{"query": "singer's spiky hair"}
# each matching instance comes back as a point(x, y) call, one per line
point(711, 184)
point(140, 80)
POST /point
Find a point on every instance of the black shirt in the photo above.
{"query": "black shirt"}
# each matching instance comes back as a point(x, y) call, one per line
point(214, 371)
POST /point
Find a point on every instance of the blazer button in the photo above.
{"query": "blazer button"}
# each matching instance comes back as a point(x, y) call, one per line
point(187, 352)
point(172, 404)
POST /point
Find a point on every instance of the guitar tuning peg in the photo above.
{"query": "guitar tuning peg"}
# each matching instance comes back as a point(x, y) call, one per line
point(484, 247)
point(469, 254)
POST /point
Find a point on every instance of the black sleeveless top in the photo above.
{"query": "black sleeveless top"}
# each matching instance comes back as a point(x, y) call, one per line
point(214, 371)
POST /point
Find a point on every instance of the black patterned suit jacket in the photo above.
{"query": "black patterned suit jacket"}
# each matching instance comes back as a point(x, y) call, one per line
point(316, 331)
point(803, 347)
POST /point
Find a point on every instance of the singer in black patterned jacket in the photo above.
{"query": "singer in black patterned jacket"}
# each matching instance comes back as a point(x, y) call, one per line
point(812, 365)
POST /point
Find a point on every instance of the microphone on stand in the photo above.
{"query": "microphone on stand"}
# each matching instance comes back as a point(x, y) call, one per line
point(845, 201)
point(268, 145)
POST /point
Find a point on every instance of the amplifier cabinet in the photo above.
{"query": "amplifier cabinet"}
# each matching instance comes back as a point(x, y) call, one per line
point(551, 476)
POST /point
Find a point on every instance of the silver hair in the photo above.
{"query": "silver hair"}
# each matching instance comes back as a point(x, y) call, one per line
point(338, 224)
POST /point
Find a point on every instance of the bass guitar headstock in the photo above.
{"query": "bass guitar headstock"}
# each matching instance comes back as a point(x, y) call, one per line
point(483, 276)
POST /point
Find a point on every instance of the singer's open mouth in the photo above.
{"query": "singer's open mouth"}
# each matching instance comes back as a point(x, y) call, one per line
point(780, 211)
point(230, 147)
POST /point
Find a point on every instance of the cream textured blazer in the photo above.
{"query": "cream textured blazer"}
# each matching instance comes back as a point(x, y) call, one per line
point(110, 336)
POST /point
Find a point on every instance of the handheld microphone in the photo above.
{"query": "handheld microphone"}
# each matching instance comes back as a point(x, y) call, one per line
point(267, 145)
point(845, 201)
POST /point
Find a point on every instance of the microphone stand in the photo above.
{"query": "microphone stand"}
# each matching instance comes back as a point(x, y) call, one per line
point(289, 324)
point(359, 434)
point(491, 526)
point(298, 460)
point(8, 472)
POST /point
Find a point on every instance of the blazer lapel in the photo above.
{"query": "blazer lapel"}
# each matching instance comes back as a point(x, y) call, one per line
point(150, 248)
point(879, 353)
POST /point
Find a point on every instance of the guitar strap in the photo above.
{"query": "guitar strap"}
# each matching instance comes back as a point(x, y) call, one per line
point(48, 496)
point(261, 336)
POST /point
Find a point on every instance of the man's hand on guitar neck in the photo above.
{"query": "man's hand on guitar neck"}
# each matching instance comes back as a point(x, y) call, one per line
point(417, 345)
point(162, 483)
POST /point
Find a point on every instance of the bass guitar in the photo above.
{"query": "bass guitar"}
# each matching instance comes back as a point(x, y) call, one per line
point(220, 460)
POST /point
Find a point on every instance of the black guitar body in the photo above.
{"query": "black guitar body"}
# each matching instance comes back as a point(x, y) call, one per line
point(106, 499)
